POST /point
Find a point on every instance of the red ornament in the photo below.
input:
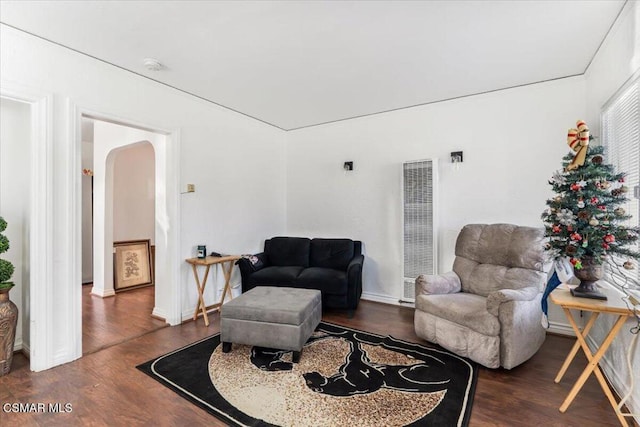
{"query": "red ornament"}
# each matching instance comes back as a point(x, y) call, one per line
point(605, 246)
point(576, 236)
point(575, 187)
point(574, 261)
point(556, 229)
point(621, 179)
point(594, 200)
point(569, 228)
point(602, 207)
point(609, 238)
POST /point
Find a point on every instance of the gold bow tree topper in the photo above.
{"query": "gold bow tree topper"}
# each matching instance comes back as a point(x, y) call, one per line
point(578, 140)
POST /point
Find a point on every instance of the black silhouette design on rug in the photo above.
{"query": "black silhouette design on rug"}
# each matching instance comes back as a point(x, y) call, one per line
point(355, 364)
point(269, 359)
point(360, 375)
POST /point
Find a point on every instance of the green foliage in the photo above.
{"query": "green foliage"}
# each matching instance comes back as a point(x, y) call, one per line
point(4, 244)
point(6, 268)
point(585, 218)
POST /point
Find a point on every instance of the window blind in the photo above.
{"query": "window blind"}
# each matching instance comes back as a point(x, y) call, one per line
point(620, 122)
point(419, 222)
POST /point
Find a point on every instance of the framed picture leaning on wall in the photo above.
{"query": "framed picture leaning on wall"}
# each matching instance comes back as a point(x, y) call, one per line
point(132, 264)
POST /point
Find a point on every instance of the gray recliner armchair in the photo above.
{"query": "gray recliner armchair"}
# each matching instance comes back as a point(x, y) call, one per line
point(488, 308)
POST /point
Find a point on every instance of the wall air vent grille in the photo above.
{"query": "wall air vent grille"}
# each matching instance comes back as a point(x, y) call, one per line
point(419, 180)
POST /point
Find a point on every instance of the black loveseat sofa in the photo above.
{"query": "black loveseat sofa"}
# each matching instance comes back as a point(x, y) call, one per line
point(333, 266)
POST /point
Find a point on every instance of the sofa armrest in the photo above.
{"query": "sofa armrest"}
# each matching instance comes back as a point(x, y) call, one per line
point(247, 268)
point(355, 263)
point(494, 299)
point(354, 281)
point(447, 283)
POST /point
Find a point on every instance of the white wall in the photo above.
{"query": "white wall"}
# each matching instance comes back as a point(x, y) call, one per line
point(134, 193)
point(512, 141)
point(235, 162)
point(15, 139)
point(617, 60)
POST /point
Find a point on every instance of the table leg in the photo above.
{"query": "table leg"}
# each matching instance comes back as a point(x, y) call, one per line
point(593, 367)
point(576, 346)
point(201, 286)
point(227, 280)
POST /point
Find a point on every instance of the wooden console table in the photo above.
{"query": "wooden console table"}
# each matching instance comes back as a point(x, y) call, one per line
point(614, 305)
point(226, 262)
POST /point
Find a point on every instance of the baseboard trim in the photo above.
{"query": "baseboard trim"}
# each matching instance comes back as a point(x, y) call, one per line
point(159, 314)
point(104, 294)
point(561, 329)
point(381, 298)
point(18, 345)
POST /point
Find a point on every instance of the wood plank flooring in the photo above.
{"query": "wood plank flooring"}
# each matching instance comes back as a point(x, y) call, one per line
point(112, 320)
point(105, 389)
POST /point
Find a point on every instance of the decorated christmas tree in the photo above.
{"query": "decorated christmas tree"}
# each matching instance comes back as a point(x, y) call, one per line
point(585, 221)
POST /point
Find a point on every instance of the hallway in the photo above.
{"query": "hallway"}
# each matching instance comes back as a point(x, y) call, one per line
point(113, 320)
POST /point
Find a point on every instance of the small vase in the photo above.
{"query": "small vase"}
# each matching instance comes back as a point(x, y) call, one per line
point(589, 274)
point(8, 322)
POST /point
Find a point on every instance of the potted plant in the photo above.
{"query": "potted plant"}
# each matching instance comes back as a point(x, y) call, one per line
point(585, 221)
point(8, 310)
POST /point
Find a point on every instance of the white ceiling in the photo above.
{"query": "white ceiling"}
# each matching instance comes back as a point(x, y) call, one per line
point(299, 63)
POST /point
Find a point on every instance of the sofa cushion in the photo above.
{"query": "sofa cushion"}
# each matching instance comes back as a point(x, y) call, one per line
point(276, 276)
point(464, 309)
point(286, 251)
point(325, 279)
point(331, 253)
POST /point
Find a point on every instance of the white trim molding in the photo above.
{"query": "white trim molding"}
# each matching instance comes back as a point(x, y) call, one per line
point(386, 299)
point(74, 223)
point(167, 158)
point(41, 283)
point(561, 328)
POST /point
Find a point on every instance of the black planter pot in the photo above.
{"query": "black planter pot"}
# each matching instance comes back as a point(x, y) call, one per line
point(589, 274)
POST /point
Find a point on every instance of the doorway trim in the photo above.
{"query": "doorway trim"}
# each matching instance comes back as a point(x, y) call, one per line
point(40, 303)
point(168, 307)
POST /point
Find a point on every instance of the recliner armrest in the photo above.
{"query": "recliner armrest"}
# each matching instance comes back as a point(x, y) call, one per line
point(447, 283)
point(494, 299)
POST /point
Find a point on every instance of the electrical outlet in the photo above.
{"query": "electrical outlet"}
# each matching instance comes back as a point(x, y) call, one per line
point(191, 188)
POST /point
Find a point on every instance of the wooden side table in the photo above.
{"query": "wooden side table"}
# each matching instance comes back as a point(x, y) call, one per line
point(226, 262)
point(614, 305)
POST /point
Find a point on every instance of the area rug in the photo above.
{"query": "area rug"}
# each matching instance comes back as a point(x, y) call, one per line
point(345, 377)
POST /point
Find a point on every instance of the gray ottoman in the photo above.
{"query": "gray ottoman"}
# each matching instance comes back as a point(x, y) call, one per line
point(273, 317)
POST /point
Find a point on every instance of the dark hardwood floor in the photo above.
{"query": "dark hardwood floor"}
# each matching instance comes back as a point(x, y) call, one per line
point(109, 321)
point(105, 389)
